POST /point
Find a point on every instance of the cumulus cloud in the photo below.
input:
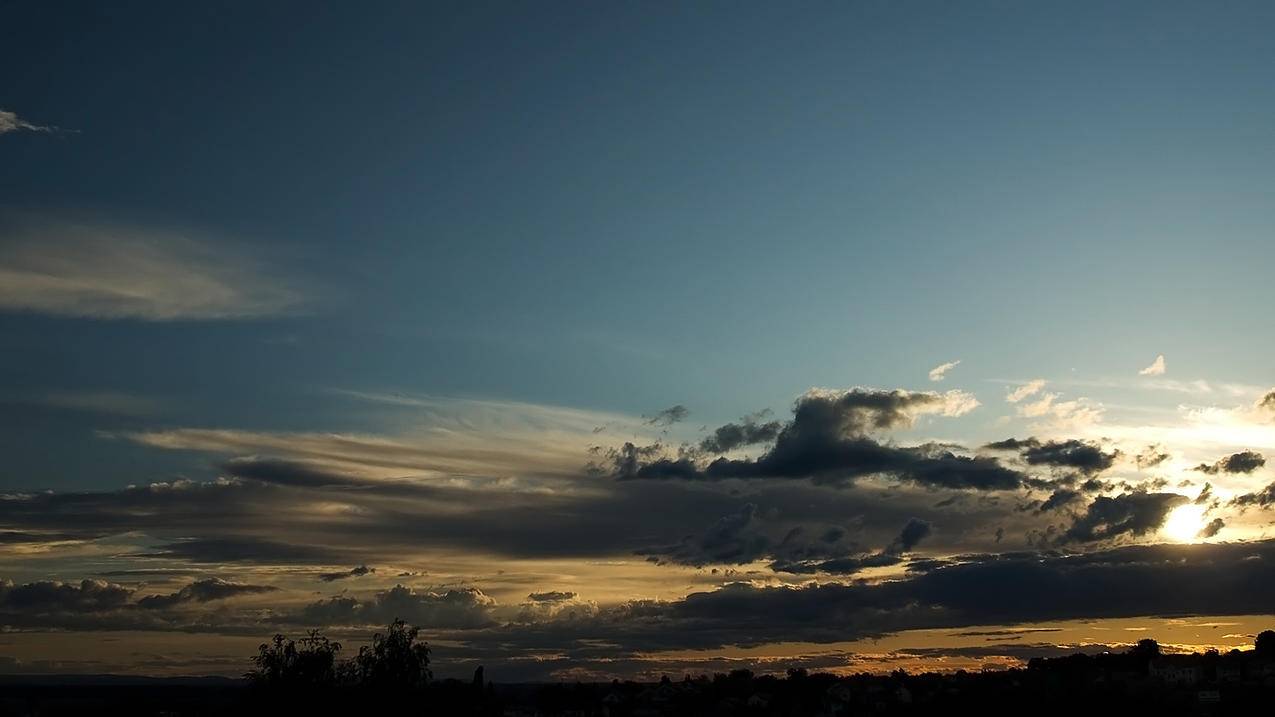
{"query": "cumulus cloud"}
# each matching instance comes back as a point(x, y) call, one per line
point(1151, 457)
point(1213, 528)
point(1082, 456)
point(1156, 368)
point(1263, 498)
point(1267, 402)
point(202, 591)
point(1058, 499)
point(458, 608)
point(110, 272)
point(1242, 462)
point(1129, 515)
point(938, 373)
point(747, 432)
point(912, 534)
point(56, 596)
point(829, 440)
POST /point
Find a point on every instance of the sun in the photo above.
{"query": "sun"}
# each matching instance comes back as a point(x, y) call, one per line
point(1184, 523)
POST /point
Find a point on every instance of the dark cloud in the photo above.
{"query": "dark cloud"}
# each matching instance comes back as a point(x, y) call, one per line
point(1263, 498)
point(1267, 402)
point(358, 572)
point(749, 431)
point(552, 596)
point(827, 441)
point(1008, 589)
point(1151, 456)
point(1058, 499)
point(54, 596)
point(1206, 493)
point(668, 416)
point(1213, 528)
point(732, 540)
point(909, 537)
point(1083, 456)
point(202, 591)
point(1242, 462)
point(741, 537)
point(1127, 515)
point(243, 550)
point(288, 473)
point(848, 565)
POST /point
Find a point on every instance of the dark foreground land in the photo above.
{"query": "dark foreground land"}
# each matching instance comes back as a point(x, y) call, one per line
point(1041, 689)
point(393, 677)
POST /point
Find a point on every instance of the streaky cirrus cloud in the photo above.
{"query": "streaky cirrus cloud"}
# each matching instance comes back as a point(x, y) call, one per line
point(11, 122)
point(100, 270)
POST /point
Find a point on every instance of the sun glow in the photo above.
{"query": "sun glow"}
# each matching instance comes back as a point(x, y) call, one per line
point(1184, 523)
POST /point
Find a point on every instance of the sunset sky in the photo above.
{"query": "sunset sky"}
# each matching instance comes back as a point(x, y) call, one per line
point(616, 339)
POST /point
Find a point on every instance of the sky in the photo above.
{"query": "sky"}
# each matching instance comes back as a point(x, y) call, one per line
point(615, 340)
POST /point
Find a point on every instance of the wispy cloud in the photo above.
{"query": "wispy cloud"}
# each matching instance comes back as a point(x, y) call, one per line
point(111, 402)
point(111, 272)
point(1030, 388)
point(1156, 368)
point(938, 373)
point(11, 122)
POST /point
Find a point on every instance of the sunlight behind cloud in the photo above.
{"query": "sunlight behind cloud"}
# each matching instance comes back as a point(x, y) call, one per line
point(1184, 523)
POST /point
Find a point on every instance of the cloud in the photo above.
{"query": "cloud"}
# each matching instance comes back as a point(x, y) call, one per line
point(1128, 515)
point(1242, 462)
point(1213, 528)
point(358, 572)
point(828, 440)
point(912, 534)
point(749, 431)
point(668, 416)
point(1088, 458)
point(202, 591)
point(938, 373)
point(109, 272)
point(1156, 368)
point(731, 540)
point(1267, 401)
point(1058, 499)
point(552, 596)
point(1011, 589)
point(1263, 498)
point(106, 402)
point(11, 122)
point(1030, 388)
point(55, 596)
point(1151, 457)
point(460, 608)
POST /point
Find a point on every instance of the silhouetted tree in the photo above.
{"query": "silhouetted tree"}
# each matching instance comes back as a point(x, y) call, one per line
point(308, 662)
point(1264, 646)
point(1146, 649)
point(394, 660)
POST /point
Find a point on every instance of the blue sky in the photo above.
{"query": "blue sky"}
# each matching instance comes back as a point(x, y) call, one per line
point(228, 231)
point(620, 209)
